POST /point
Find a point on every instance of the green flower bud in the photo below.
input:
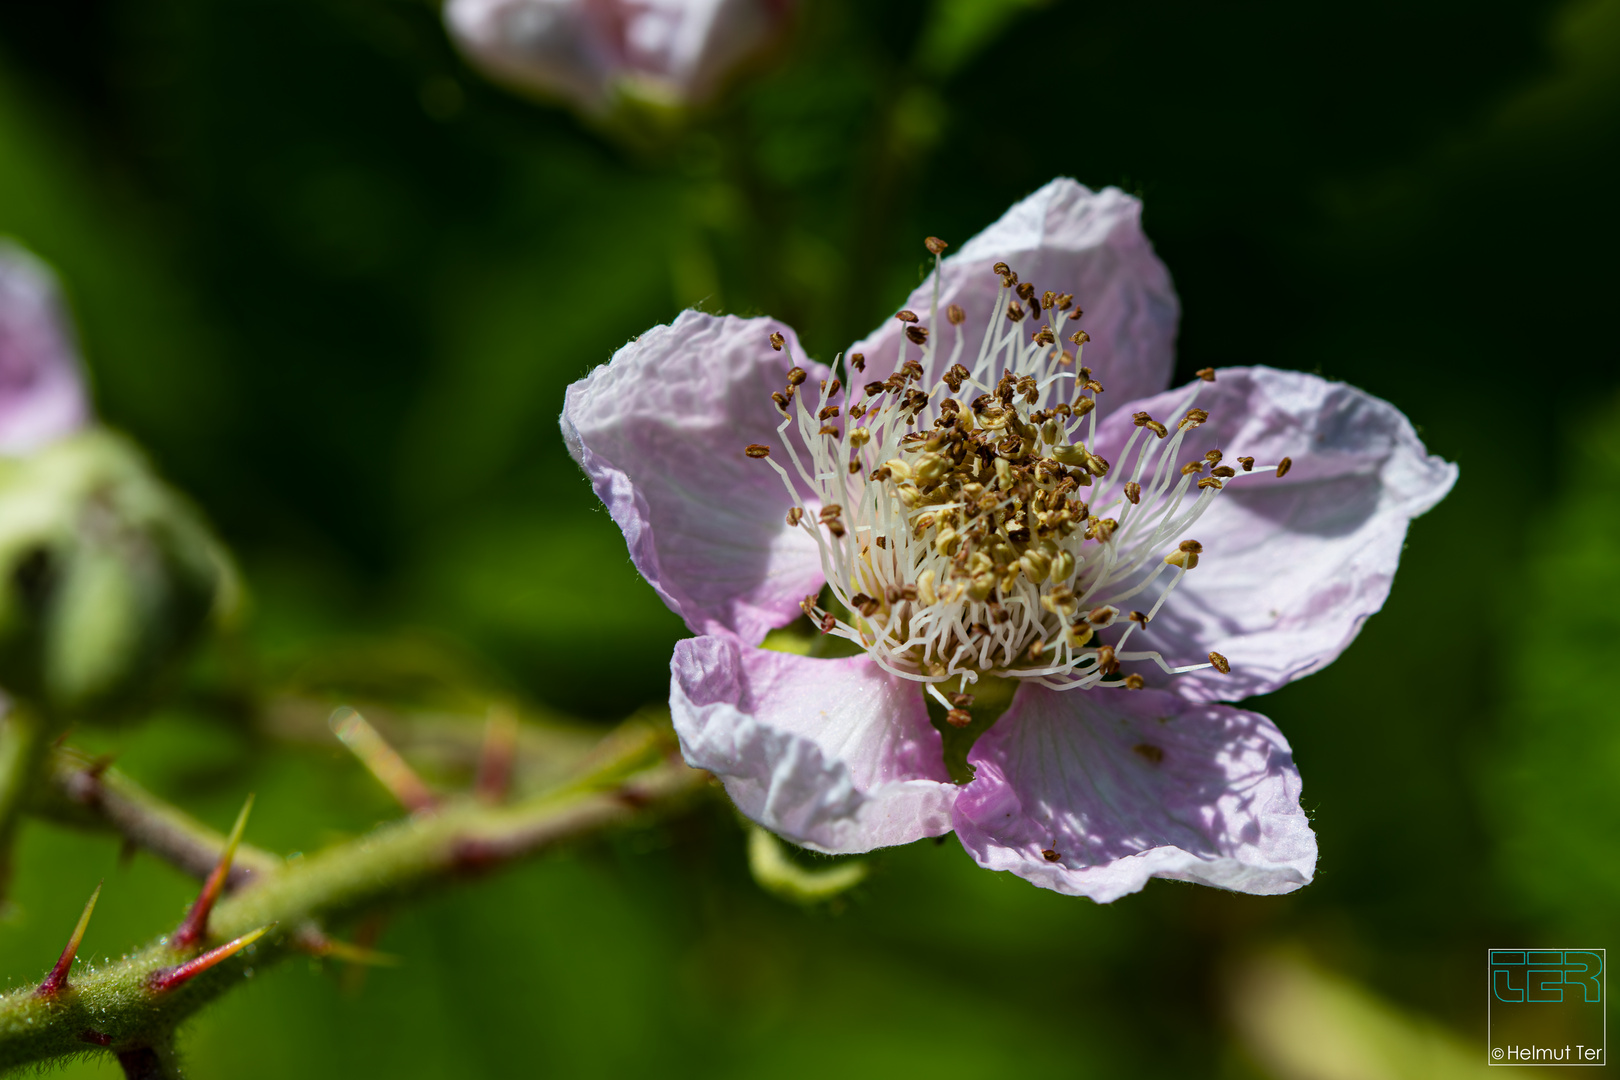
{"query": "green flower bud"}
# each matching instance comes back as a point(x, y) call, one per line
point(106, 575)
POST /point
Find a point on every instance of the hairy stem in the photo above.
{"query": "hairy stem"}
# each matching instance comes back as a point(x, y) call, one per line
point(139, 1001)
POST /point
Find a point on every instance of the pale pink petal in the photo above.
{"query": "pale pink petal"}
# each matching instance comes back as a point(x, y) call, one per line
point(1065, 238)
point(661, 432)
point(1126, 785)
point(835, 755)
point(1291, 567)
point(591, 51)
point(42, 394)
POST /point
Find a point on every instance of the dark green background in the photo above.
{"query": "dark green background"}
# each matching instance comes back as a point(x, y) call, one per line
point(337, 285)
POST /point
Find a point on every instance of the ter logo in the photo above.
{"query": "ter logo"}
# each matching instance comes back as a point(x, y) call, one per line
point(1546, 975)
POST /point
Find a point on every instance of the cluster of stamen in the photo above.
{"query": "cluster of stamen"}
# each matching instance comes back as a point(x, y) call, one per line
point(965, 523)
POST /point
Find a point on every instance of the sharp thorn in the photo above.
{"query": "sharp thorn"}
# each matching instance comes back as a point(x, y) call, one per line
point(57, 980)
point(318, 944)
point(383, 760)
point(498, 756)
point(166, 979)
point(195, 927)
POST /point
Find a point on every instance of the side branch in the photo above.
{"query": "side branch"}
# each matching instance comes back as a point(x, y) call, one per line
point(85, 792)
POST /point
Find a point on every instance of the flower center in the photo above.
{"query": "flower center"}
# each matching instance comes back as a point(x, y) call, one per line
point(965, 523)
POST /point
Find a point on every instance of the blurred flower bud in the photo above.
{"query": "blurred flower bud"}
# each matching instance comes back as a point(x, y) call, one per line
point(106, 575)
point(593, 52)
point(41, 383)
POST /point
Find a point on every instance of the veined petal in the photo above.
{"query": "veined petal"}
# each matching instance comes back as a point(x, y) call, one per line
point(1093, 792)
point(835, 755)
point(42, 394)
point(1291, 567)
point(1068, 239)
point(661, 432)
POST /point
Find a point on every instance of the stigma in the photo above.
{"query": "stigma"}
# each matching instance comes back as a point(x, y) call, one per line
point(967, 525)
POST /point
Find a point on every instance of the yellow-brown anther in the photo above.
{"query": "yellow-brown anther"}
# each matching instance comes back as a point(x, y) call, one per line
point(1247, 463)
point(866, 605)
point(780, 399)
point(1094, 386)
point(858, 361)
point(1044, 336)
point(1026, 291)
point(1015, 311)
point(1140, 419)
point(854, 466)
point(835, 527)
point(1079, 337)
point(956, 315)
point(1157, 428)
point(1106, 663)
point(1050, 855)
point(1223, 471)
point(828, 623)
point(796, 376)
point(1283, 466)
point(873, 389)
point(757, 450)
point(777, 341)
point(1035, 650)
point(958, 718)
point(961, 701)
point(935, 245)
point(1133, 492)
point(1065, 301)
point(1134, 681)
point(827, 412)
point(1048, 299)
point(906, 315)
point(1192, 467)
point(1213, 457)
point(917, 334)
point(1194, 417)
point(1192, 546)
point(859, 437)
point(1001, 269)
point(831, 510)
point(1207, 374)
point(837, 385)
point(830, 429)
point(1139, 617)
point(795, 515)
point(1182, 558)
point(1084, 405)
point(1102, 616)
point(1209, 482)
point(1222, 665)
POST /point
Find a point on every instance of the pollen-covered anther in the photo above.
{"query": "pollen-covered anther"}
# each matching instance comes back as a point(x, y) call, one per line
point(781, 401)
point(1220, 663)
point(1106, 661)
point(1134, 681)
point(956, 315)
point(1207, 374)
point(917, 334)
point(1224, 471)
point(958, 718)
point(1193, 418)
point(830, 429)
point(1247, 463)
point(757, 450)
point(1044, 336)
point(1192, 468)
point(1213, 456)
point(1102, 617)
point(827, 412)
point(795, 515)
point(1139, 617)
point(1079, 337)
point(1283, 466)
point(1133, 492)
point(1050, 855)
point(935, 245)
point(906, 315)
point(858, 361)
point(777, 341)
point(1209, 482)
point(1185, 555)
point(1015, 311)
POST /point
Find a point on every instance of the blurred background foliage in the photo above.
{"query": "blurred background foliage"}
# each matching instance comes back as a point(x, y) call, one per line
point(336, 285)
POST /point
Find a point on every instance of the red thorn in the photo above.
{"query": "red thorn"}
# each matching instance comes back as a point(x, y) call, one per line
point(383, 760)
point(166, 979)
point(56, 981)
point(311, 940)
point(195, 927)
point(499, 754)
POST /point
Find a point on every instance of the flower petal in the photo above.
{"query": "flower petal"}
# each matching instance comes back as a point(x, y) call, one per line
point(1066, 238)
point(661, 431)
point(835, 755)
point(1126, 785)
point(42, 394)
point(1291, 567)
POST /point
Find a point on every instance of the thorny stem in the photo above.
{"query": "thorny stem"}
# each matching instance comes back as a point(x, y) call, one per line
point(117, 1006)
